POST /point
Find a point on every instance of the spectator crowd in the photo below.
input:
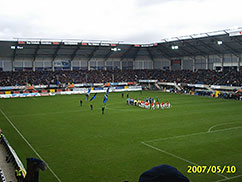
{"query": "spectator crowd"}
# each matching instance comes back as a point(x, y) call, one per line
point(231, 78)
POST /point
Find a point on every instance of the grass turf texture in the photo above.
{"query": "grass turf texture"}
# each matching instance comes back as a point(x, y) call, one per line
point(84, 145)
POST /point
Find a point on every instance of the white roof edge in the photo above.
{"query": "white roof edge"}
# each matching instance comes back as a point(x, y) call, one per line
point(163, 40)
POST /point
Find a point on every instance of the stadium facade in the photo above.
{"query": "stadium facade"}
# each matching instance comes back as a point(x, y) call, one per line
point(220, 50)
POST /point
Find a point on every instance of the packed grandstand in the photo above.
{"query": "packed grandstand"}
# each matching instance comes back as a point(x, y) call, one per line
point(209, 77)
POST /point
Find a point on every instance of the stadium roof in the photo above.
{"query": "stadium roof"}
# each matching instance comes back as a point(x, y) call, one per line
point(211, 43)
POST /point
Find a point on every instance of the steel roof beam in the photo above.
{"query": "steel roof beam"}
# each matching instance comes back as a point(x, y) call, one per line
point(234, 38)
point(36, 52)
point(92, 53)
point(74, 52)
point(207, 46)
point(193, 47)
point(164, 54)
point(136, 53)
point(225, 45)
point(150, 54)
point(108, 55)
point(56, 52)
point(126, 52)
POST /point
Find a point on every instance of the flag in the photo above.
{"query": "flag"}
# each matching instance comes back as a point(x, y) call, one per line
point(88, 94)
point(107, 92)
point(93, 97)
point(106, 96)
point(105, 99)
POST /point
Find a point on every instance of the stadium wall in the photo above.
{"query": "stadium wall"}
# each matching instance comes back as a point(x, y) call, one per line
point(212, 62)
point(6, 64)
point(162, 64)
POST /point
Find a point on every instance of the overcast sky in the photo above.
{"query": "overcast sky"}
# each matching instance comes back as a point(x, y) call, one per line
point(136, 21)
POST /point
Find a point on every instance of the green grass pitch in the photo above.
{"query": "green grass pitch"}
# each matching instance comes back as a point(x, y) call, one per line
point(83, 145)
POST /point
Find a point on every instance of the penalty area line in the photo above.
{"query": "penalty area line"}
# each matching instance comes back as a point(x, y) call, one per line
point(221, 124)
point(193, 134)
point(29, 144)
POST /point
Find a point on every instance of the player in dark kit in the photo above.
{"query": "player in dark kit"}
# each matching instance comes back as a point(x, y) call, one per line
point(122, 95)
point(103, 109)
point(91, 106)
point(80, 102)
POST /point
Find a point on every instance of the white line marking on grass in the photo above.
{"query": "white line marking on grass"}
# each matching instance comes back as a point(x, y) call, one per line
point(29, 144)
point(200, 133)
point(229, 178)
point(175, 156)
point(221, 124)
point(168, 153)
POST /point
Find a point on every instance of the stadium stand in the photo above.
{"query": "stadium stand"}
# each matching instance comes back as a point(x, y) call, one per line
point(209, 77)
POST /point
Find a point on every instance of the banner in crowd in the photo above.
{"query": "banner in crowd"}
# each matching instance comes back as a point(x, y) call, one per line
point(62, 64)
point(25, 95)
point(148, 81)
point(7, 88)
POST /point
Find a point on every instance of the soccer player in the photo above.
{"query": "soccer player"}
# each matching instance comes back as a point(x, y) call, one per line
point(168, 105)
point(132, 101)
point(162, 105)
point(128, 100)
point(103, 108)
point(139, 102)
point(147, 105)
point(152, 106)
point(157, 105)
point(142, 104)
point(122, 95)
point(91, 106)
point(80, 102)
point(135, 102)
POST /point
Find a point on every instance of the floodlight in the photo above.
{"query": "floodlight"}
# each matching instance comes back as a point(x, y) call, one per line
point(115, 49)
point(20, 47)
point(174, 47)
point(220, 42)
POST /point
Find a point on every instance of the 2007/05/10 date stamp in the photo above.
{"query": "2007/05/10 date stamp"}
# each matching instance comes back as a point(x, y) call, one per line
point(211, 169)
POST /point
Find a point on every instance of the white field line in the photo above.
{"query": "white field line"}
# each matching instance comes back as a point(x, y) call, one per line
point(234, 177)
point(175, 156)
point(168, 153)
point(181, 136)
point(58, 179)
point(199, 133)
point(209, 130)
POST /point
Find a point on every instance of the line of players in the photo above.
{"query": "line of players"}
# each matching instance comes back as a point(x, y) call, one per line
point(149, 103)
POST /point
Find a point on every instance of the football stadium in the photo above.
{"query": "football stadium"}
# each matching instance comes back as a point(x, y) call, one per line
point(92, 91)
point(109, 111)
